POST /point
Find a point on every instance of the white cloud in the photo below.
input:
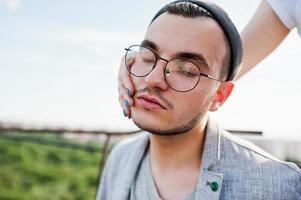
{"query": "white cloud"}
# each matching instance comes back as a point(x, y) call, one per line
point(12, 5)
point(88, 36)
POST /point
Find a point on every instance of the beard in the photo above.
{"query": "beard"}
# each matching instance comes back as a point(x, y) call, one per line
point(184, 128)
point(178, 128)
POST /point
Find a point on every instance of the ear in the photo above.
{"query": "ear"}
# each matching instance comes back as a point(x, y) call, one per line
point(221, 95)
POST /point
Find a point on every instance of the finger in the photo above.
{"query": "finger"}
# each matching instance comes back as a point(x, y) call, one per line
point(124, 77)
point(125, 107)
point(124, 95)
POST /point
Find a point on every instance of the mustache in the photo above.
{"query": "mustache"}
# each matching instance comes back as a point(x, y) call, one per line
point(156, 93)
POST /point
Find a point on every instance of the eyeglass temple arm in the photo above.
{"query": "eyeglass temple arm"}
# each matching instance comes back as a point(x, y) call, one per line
point(208, 76)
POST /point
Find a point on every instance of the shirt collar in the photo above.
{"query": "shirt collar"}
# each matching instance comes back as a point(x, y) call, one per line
point(212, 145)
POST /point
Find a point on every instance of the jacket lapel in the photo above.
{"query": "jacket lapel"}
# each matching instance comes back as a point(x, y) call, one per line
point(133, 161)
point(210, 182)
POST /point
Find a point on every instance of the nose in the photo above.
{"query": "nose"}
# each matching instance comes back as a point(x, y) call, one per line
point(156, 78)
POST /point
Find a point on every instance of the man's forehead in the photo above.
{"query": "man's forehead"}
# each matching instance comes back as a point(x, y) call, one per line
point(193, 56)
point(173, 33)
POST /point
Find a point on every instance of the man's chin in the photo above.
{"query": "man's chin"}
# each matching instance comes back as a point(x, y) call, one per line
point(152, 128)
point(146, 120)
point(159, 129)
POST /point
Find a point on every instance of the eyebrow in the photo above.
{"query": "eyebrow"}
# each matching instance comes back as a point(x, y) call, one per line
point(150, 44)
point(198, 58)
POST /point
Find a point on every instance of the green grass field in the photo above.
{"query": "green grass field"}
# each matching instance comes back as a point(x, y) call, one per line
point(38, 171)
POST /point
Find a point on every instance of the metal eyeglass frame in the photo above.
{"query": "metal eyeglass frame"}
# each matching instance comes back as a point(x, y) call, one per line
point(157, 57)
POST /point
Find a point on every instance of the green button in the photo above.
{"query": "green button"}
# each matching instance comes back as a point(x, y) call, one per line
point(214, 186)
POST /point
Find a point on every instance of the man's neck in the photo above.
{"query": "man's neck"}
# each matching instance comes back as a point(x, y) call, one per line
point(176, 151)
point(175, 162)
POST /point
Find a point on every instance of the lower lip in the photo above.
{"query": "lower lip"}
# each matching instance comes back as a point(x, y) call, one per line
point(149, 105)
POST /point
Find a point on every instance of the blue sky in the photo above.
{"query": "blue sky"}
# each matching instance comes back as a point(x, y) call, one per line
point(59, 62)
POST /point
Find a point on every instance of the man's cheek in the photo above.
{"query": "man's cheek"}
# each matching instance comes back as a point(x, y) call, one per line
point(138, 82)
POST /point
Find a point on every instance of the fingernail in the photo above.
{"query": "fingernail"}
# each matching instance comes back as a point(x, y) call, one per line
point(127, 103)
point(128, 91)
point(124, 113)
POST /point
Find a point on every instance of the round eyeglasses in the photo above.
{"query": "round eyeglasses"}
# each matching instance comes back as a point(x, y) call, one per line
point(180, 74)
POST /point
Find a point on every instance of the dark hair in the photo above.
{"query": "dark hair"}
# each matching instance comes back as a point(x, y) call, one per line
point(193, 8)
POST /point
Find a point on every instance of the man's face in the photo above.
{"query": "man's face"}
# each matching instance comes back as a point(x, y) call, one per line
point(161, 110)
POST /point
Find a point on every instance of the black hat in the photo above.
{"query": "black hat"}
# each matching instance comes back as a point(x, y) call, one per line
point(222, 18)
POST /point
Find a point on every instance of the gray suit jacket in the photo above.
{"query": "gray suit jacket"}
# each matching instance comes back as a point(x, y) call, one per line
point(238, 169)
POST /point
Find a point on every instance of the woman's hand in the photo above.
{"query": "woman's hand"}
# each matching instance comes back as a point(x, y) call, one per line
point(125, 88)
